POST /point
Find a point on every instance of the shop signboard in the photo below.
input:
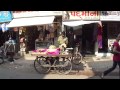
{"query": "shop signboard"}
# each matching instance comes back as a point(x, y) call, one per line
point(20, 14)
point(5, 16)
point(81, 15)
point(110, 16)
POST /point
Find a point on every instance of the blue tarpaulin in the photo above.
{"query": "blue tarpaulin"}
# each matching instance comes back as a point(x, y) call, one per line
point(5, 16)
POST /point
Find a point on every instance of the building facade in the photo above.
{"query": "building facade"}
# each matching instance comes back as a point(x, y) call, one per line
point(5, 18)
point(29, 23)
point(85, 25)
point(111, 24)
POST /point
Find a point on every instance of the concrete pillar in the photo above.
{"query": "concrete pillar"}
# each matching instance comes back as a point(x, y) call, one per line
point(96, 48)
point(96, 42)
point(63, 28)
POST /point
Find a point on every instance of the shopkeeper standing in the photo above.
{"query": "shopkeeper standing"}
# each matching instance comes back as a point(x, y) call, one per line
point(71, 42)
point(62, 40)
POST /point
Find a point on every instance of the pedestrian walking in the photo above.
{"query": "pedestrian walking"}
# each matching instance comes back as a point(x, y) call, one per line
point(116, 58)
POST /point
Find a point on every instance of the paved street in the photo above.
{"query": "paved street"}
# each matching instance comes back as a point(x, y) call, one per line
point(11, 74)
point(23, 69)
point(101, 64)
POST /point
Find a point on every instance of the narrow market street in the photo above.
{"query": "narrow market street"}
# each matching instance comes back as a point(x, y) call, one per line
point(54, 39)
point(23, 69)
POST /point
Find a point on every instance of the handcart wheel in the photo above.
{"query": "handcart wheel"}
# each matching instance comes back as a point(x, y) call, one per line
point(1, 60)
point(63, 67)
point(42, 65)
point(77, 59)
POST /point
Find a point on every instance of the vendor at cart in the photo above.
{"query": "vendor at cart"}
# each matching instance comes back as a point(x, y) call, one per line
point(62, 41)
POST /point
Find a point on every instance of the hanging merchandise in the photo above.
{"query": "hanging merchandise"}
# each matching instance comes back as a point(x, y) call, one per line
point(20, 30)
point(100, 23)
point(15, 29)
point(38, 28)
point(100, 41)
point(47, 27)
point(51, 29)
point(99, 36)
point(4, 27)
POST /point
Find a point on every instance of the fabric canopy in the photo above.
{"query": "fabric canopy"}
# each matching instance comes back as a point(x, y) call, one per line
point(31, 21)
point(77, 23)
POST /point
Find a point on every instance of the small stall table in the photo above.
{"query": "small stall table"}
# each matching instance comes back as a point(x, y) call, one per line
point(41, 44)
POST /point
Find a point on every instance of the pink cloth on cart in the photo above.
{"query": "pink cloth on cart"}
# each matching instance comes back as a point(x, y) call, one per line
point(42, 50)
point(53, 52)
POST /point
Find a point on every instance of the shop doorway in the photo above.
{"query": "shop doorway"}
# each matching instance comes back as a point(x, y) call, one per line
point(28, 35)
point(88, 43)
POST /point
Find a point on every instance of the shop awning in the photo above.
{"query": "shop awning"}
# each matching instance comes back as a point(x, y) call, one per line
point(111, 18)
point(31, 21)
point(77, 23)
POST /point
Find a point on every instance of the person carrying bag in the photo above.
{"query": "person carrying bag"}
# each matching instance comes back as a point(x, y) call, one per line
point(116, 57)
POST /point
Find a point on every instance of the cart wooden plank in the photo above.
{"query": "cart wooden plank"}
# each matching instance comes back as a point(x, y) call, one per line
point(46, 55)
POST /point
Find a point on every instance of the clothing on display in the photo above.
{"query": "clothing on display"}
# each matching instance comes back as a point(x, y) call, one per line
point(4, 27)
point(99, 37)
point(51, 29)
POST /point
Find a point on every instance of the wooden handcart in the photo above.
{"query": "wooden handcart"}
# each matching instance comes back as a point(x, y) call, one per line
point(59, 63)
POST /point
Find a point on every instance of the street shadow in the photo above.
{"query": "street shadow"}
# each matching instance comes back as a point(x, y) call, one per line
point(100, 66)
point(19, 69)
point(23, 68)
point(78, 67)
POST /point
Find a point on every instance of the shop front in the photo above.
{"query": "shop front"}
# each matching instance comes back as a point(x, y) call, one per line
point(111, 25)
point(84, 25)
point(36, 28)
point(5, 18)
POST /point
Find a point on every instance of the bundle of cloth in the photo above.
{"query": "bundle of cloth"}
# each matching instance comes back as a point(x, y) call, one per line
point(52, 50)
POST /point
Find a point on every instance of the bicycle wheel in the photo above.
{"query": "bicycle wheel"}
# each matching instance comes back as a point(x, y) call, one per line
point(77, 59)
point(1, 60)
point(63, 67)
point(42, 66)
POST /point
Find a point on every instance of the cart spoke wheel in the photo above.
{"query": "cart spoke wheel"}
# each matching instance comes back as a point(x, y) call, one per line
point(1, 60)
point(77, 59)
point(63, 67)
point(42, 66)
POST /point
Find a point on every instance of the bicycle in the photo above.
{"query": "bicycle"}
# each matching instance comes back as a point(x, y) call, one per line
point(9, 46)
point(1, 56)
point(77, 57)
point(41, 65)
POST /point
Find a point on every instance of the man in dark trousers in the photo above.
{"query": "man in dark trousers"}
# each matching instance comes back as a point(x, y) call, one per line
point(10, 49)
point(116, 58)
point(71, 38)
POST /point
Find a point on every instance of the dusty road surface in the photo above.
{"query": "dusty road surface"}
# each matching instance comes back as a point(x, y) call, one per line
point(23, 69)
